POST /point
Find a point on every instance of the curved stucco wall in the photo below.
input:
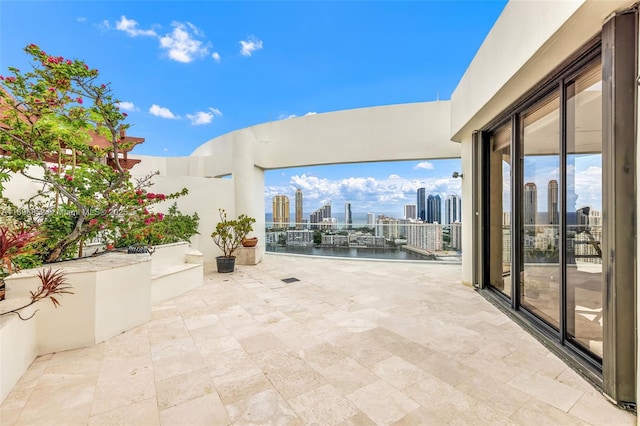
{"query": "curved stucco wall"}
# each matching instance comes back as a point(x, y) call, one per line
point(383, 133)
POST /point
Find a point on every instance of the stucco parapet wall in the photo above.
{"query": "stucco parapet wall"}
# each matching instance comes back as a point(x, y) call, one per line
point(528, 41)
point(381, 133)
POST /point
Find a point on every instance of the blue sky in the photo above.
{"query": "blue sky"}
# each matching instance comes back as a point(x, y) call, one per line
point(188, 71)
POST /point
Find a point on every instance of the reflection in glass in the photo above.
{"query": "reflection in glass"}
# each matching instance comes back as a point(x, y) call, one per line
point(584, 205)
point(540, 271)
point(500, 217)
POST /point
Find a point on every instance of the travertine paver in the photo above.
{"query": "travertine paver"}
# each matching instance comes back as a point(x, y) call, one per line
point(352, 342)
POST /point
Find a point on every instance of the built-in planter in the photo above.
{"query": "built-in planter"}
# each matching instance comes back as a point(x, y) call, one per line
point(175, 269)
point(113, 292)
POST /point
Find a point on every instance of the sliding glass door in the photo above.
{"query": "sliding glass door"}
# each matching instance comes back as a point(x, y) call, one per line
point(544, 219)
point(583, 215)
point(539, 278)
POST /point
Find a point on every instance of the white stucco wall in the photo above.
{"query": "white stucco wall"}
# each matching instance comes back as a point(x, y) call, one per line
point(206, 195)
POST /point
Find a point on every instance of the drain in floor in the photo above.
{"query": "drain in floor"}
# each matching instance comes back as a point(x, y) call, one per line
point(290, 280)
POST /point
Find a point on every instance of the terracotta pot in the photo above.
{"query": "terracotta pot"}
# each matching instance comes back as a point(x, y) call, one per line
point(250, 242)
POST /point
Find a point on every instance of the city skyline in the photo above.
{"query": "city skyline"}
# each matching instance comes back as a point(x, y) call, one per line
point(384, 189)
point(280, 202)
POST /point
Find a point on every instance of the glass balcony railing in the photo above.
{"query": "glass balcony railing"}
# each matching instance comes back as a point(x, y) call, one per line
point(541, 244)
point(400, 241)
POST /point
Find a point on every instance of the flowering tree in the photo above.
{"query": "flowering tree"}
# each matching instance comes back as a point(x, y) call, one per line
point(50, 118)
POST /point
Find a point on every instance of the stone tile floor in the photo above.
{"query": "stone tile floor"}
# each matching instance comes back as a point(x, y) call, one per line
point(352, 342)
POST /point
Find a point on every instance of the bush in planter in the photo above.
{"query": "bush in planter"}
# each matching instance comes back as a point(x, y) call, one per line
point(228, 236)
point(152, 229)
point(50, 117)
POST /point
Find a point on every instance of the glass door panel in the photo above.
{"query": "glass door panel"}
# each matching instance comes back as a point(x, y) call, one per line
point(500, 212)
point(540, 263)
point(584, 281)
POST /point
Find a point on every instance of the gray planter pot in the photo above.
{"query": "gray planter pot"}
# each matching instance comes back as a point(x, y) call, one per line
point(225, 264)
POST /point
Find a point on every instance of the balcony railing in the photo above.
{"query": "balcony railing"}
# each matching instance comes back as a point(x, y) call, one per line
point(541, 243)
point(400, 241)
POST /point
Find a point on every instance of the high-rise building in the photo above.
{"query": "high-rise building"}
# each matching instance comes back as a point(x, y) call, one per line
point(299, 218)
point(410, 211)
point(371, 219)
point(434, 209)
point(453, 209)
point(281, 211)
point(319, 215)
point(425, 237)
point(387, 227)
point(422, 204)
point(348, 219)
point(530, 203)
point(552, 202)
point(455, 235)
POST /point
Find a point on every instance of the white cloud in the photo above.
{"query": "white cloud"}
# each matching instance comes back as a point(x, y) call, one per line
point(249, 46)
point(424, 165)
point(588, 188)
point(127, 106)
point(203, 117)
point(216, 56)
point(365, 193)
point(182, 44)
point(286, 116)
point(130, 27)
point(162, 112)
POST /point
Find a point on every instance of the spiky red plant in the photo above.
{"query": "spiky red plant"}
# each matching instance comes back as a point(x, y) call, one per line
point(53, 283)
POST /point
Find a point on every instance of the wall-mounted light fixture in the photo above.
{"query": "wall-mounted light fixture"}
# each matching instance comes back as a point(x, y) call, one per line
point(457, 175)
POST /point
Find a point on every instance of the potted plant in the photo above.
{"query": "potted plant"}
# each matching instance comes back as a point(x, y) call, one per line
point(249, 242)
point(228, 236)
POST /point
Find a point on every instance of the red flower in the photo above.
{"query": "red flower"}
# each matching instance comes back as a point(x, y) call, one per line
point(151, 196)
point(109, 246)
point(86, 67)
point(79, 99)
point(68, 178)
point(160, 216)
point(93, 222)
point(138, 192)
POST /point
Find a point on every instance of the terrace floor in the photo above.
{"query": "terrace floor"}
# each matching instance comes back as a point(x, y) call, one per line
point(351, 342)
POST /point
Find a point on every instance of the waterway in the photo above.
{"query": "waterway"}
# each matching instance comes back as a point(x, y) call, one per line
point(367, 253)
